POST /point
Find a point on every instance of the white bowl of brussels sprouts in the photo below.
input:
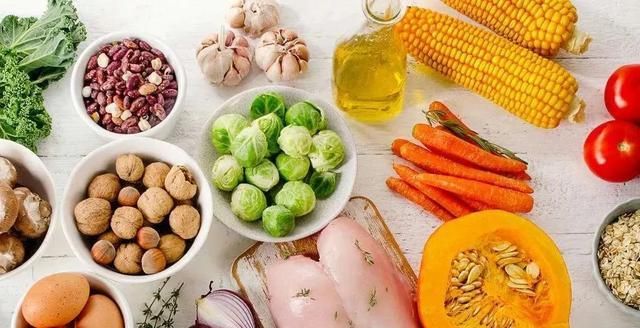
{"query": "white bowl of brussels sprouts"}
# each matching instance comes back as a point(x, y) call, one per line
point(282, 163)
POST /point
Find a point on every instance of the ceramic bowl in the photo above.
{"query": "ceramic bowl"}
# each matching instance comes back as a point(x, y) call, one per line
point(160, 131)
point(627, 207)
point(98, 286)
point(325, 211)
point(32, 173)
point(103, 160)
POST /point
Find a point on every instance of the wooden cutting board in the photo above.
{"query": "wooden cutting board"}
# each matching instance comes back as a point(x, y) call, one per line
point(248, 269)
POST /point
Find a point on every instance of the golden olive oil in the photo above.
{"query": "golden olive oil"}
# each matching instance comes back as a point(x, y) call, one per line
point(369, 75)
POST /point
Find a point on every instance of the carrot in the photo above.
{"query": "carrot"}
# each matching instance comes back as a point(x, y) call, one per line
point(397, 144)
point(448, 115)
point(457, 148)
point(438, 164)
point(476, 205)
point(497, 197)
point(448, 201)
point(419, 198)
point(519, 176)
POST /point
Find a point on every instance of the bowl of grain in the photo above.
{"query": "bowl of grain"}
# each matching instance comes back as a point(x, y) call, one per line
point(616, 257)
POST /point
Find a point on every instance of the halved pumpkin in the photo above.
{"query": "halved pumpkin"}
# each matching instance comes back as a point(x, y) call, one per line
point(493, 269)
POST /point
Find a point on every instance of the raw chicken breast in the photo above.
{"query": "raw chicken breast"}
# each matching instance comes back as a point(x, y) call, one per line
point(373, 292)
point(303, 296)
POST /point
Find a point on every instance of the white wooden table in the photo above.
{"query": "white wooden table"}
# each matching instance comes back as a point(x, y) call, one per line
point(570, 202)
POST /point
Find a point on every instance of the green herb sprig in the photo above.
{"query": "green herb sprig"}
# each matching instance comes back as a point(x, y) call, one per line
point(160, 312)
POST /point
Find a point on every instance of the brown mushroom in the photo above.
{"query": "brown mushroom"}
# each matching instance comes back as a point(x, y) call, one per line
point(8, 207)
point(180, 183)
point(105, 186)
point(92, 216)
point(11, 252)
point(155, 174)
point(128, 259)
point(34, 214)
point(8, 173)
point(184, 221)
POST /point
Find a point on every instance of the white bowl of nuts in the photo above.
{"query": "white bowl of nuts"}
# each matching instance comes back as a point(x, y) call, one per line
point(616, 249)
point(28, 200)
point(137, 210)
point(127, 84)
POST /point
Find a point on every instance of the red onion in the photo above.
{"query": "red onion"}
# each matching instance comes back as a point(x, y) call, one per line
point(223, 308)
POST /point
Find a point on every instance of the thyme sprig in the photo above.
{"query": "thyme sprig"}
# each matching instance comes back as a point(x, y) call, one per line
point(365, 254)
point(160, 312)
point(437, 117)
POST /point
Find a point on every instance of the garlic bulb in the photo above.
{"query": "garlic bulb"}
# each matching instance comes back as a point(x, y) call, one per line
point(224, 58)
point(255, 16)
point(282, 55)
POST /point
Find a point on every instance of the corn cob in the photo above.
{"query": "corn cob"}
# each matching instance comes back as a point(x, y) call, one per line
point(543, 26)
point(532, 87)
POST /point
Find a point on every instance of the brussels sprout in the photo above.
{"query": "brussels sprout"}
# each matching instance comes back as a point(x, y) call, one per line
point(250, 146)
point(226, 173)
point(308, 115)
point(270, 125)
point(295, 141)
point(327, 151)
point(297, 196)
point(264, 175)
point(225, 129)
point(278, 221)
point(323, 183)
point(292, 168)
point(268, 102)
point(248, 202)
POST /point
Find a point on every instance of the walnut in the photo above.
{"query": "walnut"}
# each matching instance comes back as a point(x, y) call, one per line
point(154, 175)
point(153, 261)
point(128, 259)
point(172, 247)
point(129, 167)
point(184, 221)
point(147, 237)
point(126, 221)
point(8, 173)
point(155, 203)
point(180, 183)
point(92, 216)
point(8, 207)
point(34, 214)
point(105, 186)
point(103, 252)
point(128, 196)
point(111, 237)
point(11, 252)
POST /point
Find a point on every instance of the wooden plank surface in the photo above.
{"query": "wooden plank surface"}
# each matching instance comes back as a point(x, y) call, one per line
point(570, 202)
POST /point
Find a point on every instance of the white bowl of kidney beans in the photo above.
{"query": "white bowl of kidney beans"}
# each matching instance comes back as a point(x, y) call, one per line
point(126, 84)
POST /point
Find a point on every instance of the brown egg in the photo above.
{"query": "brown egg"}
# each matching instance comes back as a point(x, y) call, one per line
point(100, 312)
point(55, 300)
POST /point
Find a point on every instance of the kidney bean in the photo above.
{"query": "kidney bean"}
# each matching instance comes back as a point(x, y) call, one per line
point(92, 108)
point(105, 48)
point(173, 85)
point(107, 85)
point(151, 100)
point(94, 94)
point(131, 44)
point(133, 129)
point(118, 129)
point(131, 121)
point(120, 54)
point(170, 93)
point(160, 99)
point(135, 58)
point(113, 51)
point(134, 82)
point(168, 104)
point(143, 45)
point(88, 76)
point(110, 127)
point(133, 93)
point(118, 101)
point(158, 53)
point(106, 119)
point(144, 111)
point(154, 120)
point(167, 71)
point(158, 111)
point(92, 63)
point(135, 68)
point(100, 76)
point(148, 71)
point(101, 98)
point(137, 104)
point(163, 85)
point(167, 77)
point(146, 55)
point(121, 86)
point(112, 67)
point(94, 86)
point(126, 102)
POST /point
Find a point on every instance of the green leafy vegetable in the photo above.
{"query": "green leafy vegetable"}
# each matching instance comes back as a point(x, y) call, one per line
point(308, 115)
point(23, 117)
point(323, 183)
point(268, 102)
point(46, 46)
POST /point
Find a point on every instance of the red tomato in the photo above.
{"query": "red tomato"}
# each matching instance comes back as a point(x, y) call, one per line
point(622, 94)
point(612, 151)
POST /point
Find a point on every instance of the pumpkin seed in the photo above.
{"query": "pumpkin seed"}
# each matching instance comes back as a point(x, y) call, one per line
point(514, 271)
point(501, 246)
point(474, 274)
point(533, 270)
point(526, 291)
point(468, 288)
point(511, 260)
point(519, 281)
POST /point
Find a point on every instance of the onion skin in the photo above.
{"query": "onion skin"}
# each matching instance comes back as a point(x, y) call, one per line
point(223, 308)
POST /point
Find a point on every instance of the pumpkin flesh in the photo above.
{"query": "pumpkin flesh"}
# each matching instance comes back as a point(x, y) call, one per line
point(493, 269)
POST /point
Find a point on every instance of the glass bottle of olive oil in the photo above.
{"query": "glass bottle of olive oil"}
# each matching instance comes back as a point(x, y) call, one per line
point(370, 67)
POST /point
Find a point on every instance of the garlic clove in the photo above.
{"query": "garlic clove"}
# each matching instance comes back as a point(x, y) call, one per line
point(236, 16)
point(290, 67)
point(274, 73)
point(232, 78)
point(301, 51)
point(242, 64)
point(267, 56)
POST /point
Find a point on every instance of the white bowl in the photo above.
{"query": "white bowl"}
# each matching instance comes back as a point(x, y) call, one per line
point(325, 211)
point(103, 160)
point(98, 286)
point(164, 128)
point(626, 207)
point(33, 174)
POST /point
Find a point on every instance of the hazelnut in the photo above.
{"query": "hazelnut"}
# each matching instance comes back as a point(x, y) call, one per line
point(180, 183)
point(8, 207)
point(155, 203)
point(147, 237)
point(184, 221)
point(126, 221)
point(92, 216)
point(128, 259)
point(34, 214)
point(129, 167)
point(128, 196)
point(8, 173)
point(11, 252)
point(172, 247)
point(105, 186)
point(111, 237)
point(103, 252)
point(153, 261)
point(154, 175)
